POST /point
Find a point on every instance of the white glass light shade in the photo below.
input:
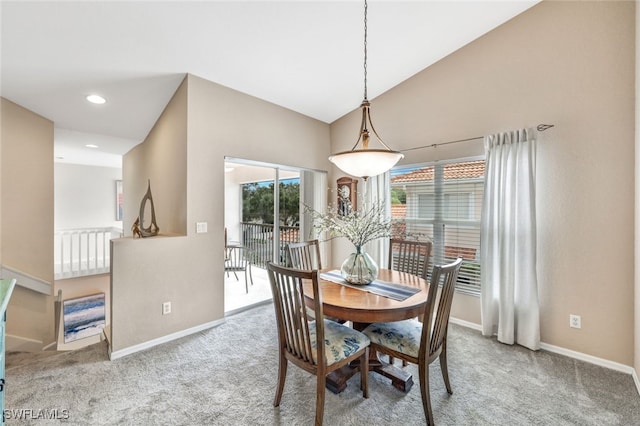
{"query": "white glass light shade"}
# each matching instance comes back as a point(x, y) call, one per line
point(96, 99)
point(366, 162)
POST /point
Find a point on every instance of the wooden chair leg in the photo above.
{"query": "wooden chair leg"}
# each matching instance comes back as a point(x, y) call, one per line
point(320, 387)
point(424, 389)
point(392, 360)
point(282, 375)
point(445, 370)
point(364, 373)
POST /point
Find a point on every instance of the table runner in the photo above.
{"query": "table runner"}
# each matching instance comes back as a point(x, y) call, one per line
point(381, 288)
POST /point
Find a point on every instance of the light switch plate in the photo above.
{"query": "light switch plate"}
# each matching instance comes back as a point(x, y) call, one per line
point(201, 227)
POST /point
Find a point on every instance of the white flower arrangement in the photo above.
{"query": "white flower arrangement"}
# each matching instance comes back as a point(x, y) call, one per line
point(359, 227)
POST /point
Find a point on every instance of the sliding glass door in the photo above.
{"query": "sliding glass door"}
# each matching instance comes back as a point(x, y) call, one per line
point(264, 206)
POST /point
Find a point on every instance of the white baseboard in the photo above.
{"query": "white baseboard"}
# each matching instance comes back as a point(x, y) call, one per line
point(246, 308)
point(164, 339)
point(467, 324)
point(27, 281)
point(567, 352)
point(50, 347)
point(22, 344)
point(587, 358)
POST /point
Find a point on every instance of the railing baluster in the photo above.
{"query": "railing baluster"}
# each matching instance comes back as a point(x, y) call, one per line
point(95, 248)
point(61, 254)
point(258, 239)
point(83, 251)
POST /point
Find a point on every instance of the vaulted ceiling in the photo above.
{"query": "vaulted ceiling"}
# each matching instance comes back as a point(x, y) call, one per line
point(303, 55)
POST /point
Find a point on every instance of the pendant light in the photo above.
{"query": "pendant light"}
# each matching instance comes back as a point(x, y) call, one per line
point(366, 162)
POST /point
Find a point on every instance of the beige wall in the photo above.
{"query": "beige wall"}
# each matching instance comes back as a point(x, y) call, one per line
point(26, 229)
point(147, 272)
point(566, 63)
point(187, 270)
point(162, 160)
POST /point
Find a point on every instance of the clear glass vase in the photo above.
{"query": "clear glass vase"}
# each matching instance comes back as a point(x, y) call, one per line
point(359, 268)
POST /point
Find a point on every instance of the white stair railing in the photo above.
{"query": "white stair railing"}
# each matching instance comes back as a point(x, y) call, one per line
point(79, 252)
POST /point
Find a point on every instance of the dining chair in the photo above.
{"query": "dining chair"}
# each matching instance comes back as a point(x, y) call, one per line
point(318, 347)
point(409, 256)
point(304, 255)
point(422, 342)
point(237, 260)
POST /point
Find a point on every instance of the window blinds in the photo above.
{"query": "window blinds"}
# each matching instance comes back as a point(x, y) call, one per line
point(442, 203)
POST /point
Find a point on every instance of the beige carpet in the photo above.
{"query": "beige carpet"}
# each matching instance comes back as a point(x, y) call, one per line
point(227, 376)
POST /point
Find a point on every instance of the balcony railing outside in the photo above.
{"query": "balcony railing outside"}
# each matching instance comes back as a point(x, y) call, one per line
point(258, 239)
point(86, 251)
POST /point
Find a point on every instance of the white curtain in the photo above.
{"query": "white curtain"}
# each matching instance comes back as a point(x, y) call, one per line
point(509, 298)
point(313, 194)
point(377, 189)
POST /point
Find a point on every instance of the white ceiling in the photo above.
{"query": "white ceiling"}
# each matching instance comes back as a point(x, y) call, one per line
point(303, 55)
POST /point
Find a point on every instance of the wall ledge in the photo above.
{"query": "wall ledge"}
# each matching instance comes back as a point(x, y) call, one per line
point(27, 281)
point(164, 339)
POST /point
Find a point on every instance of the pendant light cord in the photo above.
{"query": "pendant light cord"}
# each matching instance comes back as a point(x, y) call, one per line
point(365, 50)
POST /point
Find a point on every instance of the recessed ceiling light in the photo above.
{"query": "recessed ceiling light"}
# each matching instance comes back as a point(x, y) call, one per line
point(90, 145)
point(96, 99)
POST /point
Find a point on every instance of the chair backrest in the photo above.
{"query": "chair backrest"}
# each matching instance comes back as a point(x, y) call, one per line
point(434, 329)
point(236, 258)
point(293, 321)
point(304, 255)
point(409, 256)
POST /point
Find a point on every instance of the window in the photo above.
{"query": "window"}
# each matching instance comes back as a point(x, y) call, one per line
point(455, 205)
point(442, 202)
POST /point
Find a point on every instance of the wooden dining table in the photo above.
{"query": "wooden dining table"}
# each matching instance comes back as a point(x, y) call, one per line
point(363, 308)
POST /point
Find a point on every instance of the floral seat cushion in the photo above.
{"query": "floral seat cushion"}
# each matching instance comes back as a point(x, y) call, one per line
point(340, 341)
point(401, 336)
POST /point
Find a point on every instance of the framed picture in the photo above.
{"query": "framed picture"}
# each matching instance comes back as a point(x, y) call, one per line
point(83, 317)
point(347, 195)
point(119, 200)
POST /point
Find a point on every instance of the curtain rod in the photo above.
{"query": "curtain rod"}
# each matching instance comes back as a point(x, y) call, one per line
point(540, 128)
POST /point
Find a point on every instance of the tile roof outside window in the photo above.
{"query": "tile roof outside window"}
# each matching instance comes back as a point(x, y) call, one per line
point(466, 170)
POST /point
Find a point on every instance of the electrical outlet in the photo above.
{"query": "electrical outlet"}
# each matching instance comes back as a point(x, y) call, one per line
point(166, 308)
point(575, 321)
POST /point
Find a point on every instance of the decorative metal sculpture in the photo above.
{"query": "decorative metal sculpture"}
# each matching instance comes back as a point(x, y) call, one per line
point(136, 229)
point(151, 230)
